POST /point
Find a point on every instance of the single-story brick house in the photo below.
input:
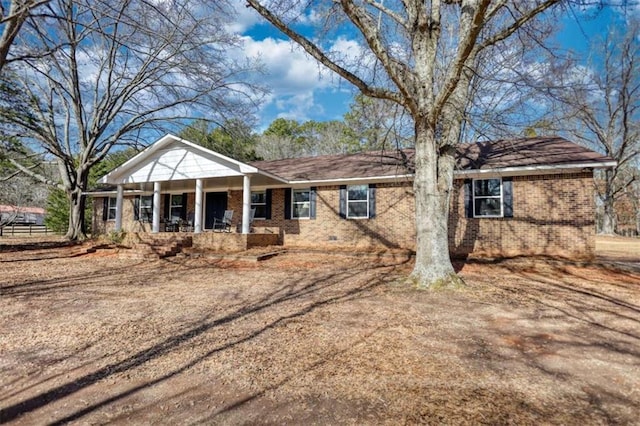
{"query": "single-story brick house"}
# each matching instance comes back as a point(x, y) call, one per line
point(531, 196)
point(20, 215)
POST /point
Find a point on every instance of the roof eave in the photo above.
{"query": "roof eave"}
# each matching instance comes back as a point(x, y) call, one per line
point(110, 192)
point(536, 170)
point(270, 175)
point(338, 181)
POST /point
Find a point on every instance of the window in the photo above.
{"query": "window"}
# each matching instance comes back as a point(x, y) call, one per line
point(259, 202)
point(357, 201)
point(301, 203)
point(111, 208)
point(175, 209)
point(487, 198)
point(145, 212)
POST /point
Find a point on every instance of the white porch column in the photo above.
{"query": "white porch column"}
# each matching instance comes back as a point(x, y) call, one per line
point(246, 203)
point(155, 227)
point(119, 203)
point(197, 218)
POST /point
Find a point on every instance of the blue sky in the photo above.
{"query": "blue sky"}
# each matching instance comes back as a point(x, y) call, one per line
point(302, 90)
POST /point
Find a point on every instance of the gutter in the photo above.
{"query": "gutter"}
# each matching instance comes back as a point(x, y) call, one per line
point(460, 174)
point(352, 180)
point(534, 170)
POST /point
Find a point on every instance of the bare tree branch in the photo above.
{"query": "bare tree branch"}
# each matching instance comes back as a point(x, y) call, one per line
point(19, 11)
point(321, 57)
point(126, 68)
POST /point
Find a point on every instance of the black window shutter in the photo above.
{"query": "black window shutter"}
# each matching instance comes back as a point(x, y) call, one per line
point(183, 213)
point(136, 208)
point(267, 207)
point(372, 200)
point(287, 203)
point(167, 204)
point(343, 201)
point(312, 202)
point(468, 199)
point(105, 208)
point(507, 196)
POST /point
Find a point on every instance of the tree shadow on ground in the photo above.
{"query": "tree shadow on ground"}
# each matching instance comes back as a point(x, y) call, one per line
point(571, 326)
point(306, 297)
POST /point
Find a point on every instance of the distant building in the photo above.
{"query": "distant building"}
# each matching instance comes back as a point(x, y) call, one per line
point(21, 215)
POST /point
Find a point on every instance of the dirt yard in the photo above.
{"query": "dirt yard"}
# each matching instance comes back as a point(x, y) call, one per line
point(314, 339)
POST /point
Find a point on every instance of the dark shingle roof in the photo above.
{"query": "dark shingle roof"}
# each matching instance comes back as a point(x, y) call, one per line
point(329, 167)
point(526, 152)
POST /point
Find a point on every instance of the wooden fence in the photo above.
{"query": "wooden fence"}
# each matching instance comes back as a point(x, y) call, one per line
point(23, 230)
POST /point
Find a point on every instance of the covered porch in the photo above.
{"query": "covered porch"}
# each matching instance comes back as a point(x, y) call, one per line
point(177, 186)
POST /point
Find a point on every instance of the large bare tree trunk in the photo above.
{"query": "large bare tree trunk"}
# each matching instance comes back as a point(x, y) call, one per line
point(433, 266)
point(77, 202)
point(609, 223)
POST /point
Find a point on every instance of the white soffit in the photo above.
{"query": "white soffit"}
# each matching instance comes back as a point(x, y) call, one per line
point(179, 163)
point(172, 158)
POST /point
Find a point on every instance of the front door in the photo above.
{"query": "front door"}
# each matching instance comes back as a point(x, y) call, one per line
point(215, 205)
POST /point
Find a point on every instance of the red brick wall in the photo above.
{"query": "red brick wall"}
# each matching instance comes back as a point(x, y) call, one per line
point(393, 226)
point(128, 220)
point(553, 215)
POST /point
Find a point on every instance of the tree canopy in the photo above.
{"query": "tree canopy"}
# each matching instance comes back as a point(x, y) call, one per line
point(233, 138)
point(114, 73)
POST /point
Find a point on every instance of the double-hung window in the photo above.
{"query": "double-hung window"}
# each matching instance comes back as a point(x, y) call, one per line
point(175, 209)
point(145, 212)
point(487, 197)
point(357, 201)
point(259, 202)
point(111, 208)
point(301, 204)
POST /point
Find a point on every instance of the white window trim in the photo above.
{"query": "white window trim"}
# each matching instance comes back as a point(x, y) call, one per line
point(293, 203)
point(253, 205)
point(172, 207)
point(141, 208)
point(110, 207)
point(473, 198)
point(357, 201)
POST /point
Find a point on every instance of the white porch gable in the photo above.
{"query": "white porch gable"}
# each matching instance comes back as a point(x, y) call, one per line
point(172, 158)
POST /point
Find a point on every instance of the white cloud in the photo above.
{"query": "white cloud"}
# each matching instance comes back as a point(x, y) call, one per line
point(245, 16)
point(296, 80)
point(289, 69)
point(292, 76)
point(298, 107)
point(347, 48)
